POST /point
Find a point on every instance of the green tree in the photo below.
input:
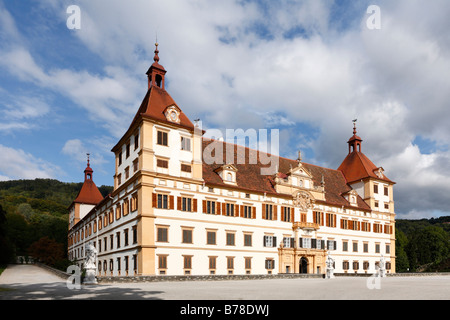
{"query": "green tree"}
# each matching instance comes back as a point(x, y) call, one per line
point(402, 262)
point(430, 245)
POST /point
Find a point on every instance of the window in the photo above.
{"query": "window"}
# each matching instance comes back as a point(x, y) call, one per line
point(111, 241)
point(134, 202)
point(388, 248)
point(386, 191)
point(187, 236)
point(164, 164)
point(365, 247)
point(247, 212)
point(119, 179)
point(186, 204)
point(210, 207)
point(355, 246)
point(230, 239)
point(331, 245)
point(186, 168)
point(355, 265)
point(187, 262)
point(330, 220)
point(118, 239)
point(230, 209)
point(162, 262)
point(162, 138)
point(270, 241)
point(270, 264)
point(120, 158)
point(286, 214)
point(136, 141)
point(386, 206)
point(185, 144)
point(136, 165)
point(212, 263)
point(344, 246)
point(247, 240)
point(318, 218)
point(127, 150)
point(269, 212)
point(377, 248)
point(162, 234)
point(163, 202)
point(248, 263)
point(305, 243)
point(288, 242)
point(345, 265)
point(127, 172)
point(135, 235)
point(375, 188)
point(211, 237)
point(125, 237)
point(230, 263)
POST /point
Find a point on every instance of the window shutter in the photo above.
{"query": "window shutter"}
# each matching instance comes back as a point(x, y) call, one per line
point(218, 207)
point(236, 210)
point(254, 212)
point(154, 200)
point(194, 205)
point(322, 242)
point(171, 202)
point(274, 242)
point(313, 243)
point(292, 215)
point(178, 203)
point(263, 210)
point(242, 211)
point(300, 242)
point(334, 245)
point(275, 212)
point(224, 209)
point(292, 243)
point(204, 206)
point(264, 241)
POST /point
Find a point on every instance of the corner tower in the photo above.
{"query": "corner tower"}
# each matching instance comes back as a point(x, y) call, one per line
point(88, 197)
point(366, 178)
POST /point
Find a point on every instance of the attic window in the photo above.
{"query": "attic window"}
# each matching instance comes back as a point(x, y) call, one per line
point(229, 177)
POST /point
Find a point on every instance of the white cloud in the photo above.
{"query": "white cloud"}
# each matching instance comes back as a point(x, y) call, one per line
point(18, 164)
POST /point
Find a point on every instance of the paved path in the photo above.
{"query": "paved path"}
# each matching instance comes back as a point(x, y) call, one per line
point(28, 282)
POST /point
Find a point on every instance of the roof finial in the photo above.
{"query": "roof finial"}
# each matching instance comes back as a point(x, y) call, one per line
point(88, 154)
point(354, 126)
point(156, 58)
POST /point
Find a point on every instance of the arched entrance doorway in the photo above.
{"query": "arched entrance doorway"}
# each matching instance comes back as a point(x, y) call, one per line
point(303, 265)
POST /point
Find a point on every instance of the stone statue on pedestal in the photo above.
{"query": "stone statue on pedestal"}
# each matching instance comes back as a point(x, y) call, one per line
point(90, 264)
point(382, 267)
point(330, 267)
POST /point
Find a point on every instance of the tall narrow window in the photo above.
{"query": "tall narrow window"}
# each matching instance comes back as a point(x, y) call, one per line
point(185, 144)
point(162, 138)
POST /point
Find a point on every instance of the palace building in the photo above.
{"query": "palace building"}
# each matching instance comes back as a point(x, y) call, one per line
point(173, 213)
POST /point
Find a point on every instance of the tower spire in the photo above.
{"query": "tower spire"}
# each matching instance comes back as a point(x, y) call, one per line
point(88, 171)
point(354, 144)
point(156, 73)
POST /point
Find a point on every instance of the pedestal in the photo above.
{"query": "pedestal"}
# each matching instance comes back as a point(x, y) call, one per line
point(90, 277)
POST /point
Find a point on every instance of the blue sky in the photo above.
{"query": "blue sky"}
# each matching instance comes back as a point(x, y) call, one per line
point(306, 68)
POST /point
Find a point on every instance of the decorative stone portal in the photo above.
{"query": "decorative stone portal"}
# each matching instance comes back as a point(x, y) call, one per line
point(304, 261)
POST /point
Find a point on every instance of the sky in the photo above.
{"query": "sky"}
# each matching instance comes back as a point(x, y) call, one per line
point(306, 68)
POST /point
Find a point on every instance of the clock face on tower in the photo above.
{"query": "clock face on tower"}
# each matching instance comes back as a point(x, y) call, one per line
point(173, 114)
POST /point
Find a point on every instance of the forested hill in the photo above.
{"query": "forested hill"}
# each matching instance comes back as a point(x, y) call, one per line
point(42, 195)
point(34, 219)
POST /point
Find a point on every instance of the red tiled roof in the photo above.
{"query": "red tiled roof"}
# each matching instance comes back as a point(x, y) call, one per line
point(89, 194)
point(357, 166)
point(249, 177)
point(156, 101)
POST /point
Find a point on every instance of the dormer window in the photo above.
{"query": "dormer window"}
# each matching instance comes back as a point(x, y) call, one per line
point(227, 173)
